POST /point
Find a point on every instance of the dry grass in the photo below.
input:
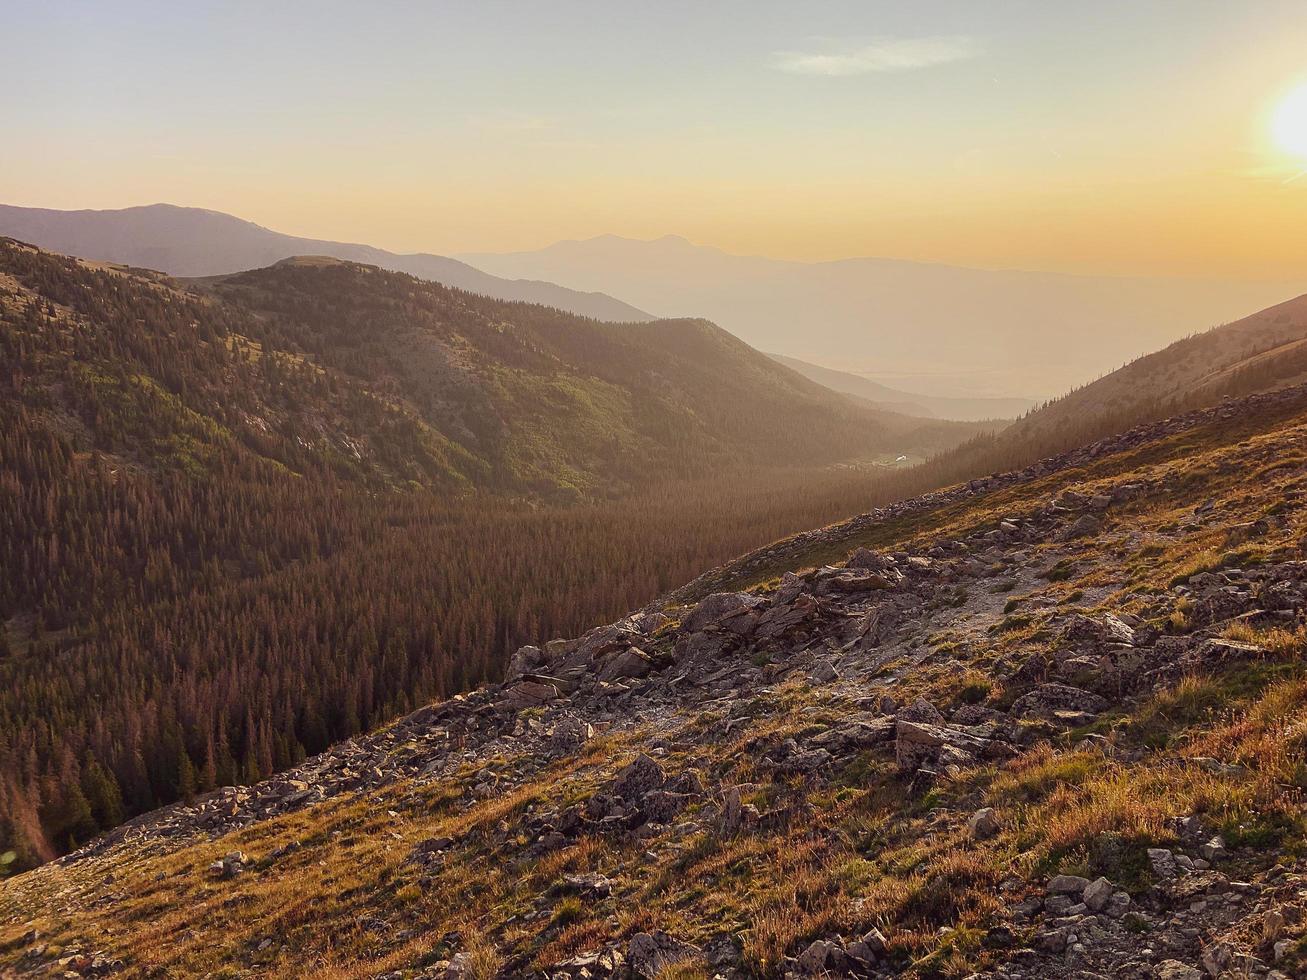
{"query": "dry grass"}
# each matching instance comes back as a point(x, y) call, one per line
point(843, 857)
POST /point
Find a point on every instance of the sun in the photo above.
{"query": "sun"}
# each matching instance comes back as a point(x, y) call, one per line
point(1289, 122)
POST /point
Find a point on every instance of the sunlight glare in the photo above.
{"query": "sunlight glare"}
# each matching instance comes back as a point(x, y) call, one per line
point(1289, 123)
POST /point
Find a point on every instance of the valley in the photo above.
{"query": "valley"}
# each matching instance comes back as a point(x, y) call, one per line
point(907, 749)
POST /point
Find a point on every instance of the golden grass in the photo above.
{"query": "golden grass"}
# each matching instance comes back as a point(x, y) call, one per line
point(849, 855)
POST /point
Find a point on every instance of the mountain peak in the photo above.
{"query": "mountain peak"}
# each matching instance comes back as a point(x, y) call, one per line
point(197, 242)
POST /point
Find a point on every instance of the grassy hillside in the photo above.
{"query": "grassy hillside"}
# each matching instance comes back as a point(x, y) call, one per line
point(1050, 727)
point(1259, 352)
point(548, 401)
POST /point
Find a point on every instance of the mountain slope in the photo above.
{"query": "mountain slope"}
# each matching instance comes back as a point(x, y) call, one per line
point(944, 330)
point(545, 398)
point(195, 242)
point(1262, 351)
point(1050, 727)
point(397, 379)
point(245, 519)
point(890, 399)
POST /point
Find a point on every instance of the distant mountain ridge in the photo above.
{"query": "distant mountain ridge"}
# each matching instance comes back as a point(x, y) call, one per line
point(908, 403)
point(1261, 352)
point(184, 241)
point(945, 330)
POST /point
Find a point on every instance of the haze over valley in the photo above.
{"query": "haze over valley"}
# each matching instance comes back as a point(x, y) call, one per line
point(929, 328)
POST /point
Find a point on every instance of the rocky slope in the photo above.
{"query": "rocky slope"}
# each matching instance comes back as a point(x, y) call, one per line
point(1045, 724)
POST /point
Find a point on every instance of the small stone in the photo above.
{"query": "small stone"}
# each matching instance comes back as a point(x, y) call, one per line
point(1214, 849)
point(812, 961)
point(823, 672)
point(1162, 862)
point(983, 824)
point(1097, 894)
point(1067, 885)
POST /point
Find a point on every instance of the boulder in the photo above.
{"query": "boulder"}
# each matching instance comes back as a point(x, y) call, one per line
point(1175, 970)
point(639, 777)
point(529, 694)
point(602, 640)
point(1085, 631)
point(1097, 894)
point(1162, 861)
point(1082, 527)
point(782, 617)
point(631, 662)
point(823, 672)
point(921, 710)
point(1067, 885)
point(917, 743)
point(857, 580)
point(872, 561)
point(1046, 699)
point(718, 609)
point(570, 733)
point(526, 660)
point(817, 957)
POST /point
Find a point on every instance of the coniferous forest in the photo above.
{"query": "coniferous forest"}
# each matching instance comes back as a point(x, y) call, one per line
point(242, 520)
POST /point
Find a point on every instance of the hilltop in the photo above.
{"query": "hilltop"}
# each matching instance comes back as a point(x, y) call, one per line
point(197, 242)
point(1042, 724)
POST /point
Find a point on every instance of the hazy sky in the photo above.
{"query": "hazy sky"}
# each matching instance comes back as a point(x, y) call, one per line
point(1129, 137)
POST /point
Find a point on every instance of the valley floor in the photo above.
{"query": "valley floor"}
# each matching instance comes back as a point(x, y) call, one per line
point(1048, 724)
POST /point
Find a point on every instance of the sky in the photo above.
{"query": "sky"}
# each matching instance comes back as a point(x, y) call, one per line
point(1132, 138)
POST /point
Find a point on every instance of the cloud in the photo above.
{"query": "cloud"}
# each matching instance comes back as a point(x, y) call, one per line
point(880, 55)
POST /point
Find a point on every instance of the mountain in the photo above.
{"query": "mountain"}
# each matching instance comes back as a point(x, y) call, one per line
point(1045, 724)
point(940, 329)
point(195, 242)
point(1263, 351)
point(245, 517)
point(890, 399)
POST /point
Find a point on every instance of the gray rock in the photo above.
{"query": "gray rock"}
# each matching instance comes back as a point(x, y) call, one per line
point(1214, 849)
point(1067, 885)
point(983, 823)
point(921, 710)
point(823, 672)
point(1097, 894)
point(529, 694)
point(814, 960)
point(526, 660)
point(638, 778)
point(631, 662)
point(1175, 970)
point(1046, 699)
point(649, 953)
point(719, 608)
point(1082, 527)
point(1162, 862)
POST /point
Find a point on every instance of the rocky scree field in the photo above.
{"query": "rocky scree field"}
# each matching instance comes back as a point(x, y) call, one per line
point(1046, 724)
